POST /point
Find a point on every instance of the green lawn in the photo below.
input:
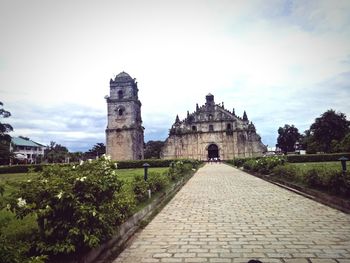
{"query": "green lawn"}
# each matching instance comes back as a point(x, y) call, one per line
point(329, 165)
point(128, 174)
point(9, 180)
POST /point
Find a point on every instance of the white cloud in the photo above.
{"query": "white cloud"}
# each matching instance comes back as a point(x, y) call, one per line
point(266, 57)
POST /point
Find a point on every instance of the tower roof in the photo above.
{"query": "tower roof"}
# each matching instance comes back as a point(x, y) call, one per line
point(123, 76)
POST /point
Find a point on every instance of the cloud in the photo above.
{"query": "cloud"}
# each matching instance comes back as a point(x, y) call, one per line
point(281, 61)
point(73, 126)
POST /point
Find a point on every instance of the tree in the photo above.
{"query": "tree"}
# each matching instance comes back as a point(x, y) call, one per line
point(343, 145)
point(153, 149)
point(330, 126)
point(97, 150)
point(287, 137)
point(56, 153)
point(75, 156)
point(5, 138)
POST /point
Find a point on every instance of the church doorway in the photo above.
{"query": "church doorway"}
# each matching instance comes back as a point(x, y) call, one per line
point(213, 151)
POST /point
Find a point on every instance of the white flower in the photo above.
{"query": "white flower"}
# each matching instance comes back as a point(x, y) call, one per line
point(73, 167)
point(81, 179)
point(106, 157)
point(59, 196)
point(47, 207)
point(89, 160)
point(8, 206)
point(81, 162)
point(28, 181)
point(116, 165)
point(21, 202)
point(93, 213)
point(44, 180)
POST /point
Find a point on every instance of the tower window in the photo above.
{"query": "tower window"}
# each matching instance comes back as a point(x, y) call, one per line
point(120, 94)
point(120, 112)
point(211, 128)
point(229, 126)
point(210, 117)
point(194, 128)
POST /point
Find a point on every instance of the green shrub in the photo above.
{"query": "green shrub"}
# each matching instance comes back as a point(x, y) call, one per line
point(25, 168)
point(15, 251)
point(157, 181)
point(139, 163)
point(263, 165)
point(155, 163)
point(77, 207)
point(181, 168)
point(319, 177)
point(316, 157)
point(239, 161)
point(140, 188)
point(312, 178)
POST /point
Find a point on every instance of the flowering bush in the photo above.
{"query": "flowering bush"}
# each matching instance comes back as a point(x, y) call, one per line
point(76, 207)
point(263, 165)
point(157, 181)
point(180, 168)
point(140, 188)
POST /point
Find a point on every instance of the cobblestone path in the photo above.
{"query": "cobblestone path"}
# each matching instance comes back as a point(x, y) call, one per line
point(225, 215)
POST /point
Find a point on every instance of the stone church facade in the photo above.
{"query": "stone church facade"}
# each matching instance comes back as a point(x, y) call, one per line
point(212, 132)
point(124, 133)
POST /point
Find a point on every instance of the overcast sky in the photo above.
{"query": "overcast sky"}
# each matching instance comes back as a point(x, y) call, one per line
point(284, 62)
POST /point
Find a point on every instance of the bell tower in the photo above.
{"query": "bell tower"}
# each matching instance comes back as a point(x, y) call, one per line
point(124, 133)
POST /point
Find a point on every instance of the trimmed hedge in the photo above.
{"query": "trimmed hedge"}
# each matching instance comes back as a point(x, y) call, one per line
point(323, 178)
point(153, 163)
point(139, 163)
point(121, 165)
point(24, 168)
point(316, 157)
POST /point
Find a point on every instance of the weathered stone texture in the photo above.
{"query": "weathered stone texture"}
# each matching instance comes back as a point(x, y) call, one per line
point(211, 125)
point(124, 133)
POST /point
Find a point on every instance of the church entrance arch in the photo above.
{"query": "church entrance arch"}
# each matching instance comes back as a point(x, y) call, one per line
point(213, 151)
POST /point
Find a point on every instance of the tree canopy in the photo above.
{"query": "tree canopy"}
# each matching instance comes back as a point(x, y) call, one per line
point(5, 138)
point(328, 133)
point(96, 151)
point(56, 153)
point(287, 137)
point(153, 149)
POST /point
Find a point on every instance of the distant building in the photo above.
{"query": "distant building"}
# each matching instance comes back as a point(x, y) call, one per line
point(212, 132)
point(26, 149)
point(124, 133)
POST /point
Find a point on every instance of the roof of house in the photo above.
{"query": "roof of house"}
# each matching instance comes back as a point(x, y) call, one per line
point(22, 142)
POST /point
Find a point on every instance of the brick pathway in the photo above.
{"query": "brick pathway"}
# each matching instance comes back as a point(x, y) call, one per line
point(225, 215)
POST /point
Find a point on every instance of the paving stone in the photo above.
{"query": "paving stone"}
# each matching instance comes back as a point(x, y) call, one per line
point(162, 255)
point(225, 214)
point(171, 260)
point(296, 260)
point(317, 260)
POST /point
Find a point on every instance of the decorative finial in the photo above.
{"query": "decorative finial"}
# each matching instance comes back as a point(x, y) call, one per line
point(245, 117)
point(177, 120)
point(197, 107)
point(233, 111)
